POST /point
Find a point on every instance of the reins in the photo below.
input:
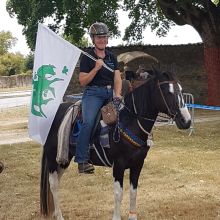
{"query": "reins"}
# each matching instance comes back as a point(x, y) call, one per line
point(135, 113)
point(146, 118)
point(139, 124)
point(138, 116)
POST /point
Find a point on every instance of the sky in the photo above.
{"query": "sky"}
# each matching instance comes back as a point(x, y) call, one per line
point(177, 35)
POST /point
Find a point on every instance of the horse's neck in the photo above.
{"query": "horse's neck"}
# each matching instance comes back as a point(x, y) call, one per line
point(141, 120)
point(141, 103)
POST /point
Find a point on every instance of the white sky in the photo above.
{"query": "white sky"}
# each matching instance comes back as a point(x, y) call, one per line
point(177, 35)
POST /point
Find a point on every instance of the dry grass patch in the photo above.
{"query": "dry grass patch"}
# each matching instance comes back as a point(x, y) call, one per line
point(23, 88)
point(180, 180)
point(14, 114)
point(13, 125)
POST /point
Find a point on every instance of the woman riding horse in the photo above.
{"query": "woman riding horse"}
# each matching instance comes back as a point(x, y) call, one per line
point(160, 93)
point(99, 84)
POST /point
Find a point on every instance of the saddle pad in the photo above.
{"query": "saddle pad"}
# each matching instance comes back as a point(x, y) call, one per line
point(64, 133)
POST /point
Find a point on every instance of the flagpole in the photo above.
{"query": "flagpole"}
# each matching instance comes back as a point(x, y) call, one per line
point(93, 58)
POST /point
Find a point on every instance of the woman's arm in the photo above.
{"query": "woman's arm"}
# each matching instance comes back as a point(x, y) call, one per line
point(117, 83)
point(86, 78)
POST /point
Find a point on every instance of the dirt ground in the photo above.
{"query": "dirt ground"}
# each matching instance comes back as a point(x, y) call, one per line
point(180, 178)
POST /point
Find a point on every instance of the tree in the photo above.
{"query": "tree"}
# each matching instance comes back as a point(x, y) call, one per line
point(6, 42)
point(11, 64)
point(204, 16)
point(160, 15)
point(29, 62)
point(84, 42)
point(75, 16)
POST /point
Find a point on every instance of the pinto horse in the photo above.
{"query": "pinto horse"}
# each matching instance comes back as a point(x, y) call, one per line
point(160, 93)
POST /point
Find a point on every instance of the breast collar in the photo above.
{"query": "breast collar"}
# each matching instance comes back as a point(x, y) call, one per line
point(135, 140)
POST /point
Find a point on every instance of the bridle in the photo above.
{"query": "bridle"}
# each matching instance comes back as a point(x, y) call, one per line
point(148, 133)
point(162, 95)
point(164, 100)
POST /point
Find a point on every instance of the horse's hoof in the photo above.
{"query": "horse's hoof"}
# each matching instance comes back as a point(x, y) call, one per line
point(57, 216)
point(116, 218)
point(132, 217)
point(1, 167)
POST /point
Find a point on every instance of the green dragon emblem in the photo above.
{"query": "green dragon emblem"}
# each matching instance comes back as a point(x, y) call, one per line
point(41, 87)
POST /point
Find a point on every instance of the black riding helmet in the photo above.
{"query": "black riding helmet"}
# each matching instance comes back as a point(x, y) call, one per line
point(98, 28)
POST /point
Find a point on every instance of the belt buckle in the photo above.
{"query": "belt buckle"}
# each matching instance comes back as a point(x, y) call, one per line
point(108, 86)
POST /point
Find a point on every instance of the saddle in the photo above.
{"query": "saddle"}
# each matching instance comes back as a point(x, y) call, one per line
point(100, 131)
point(70, 128)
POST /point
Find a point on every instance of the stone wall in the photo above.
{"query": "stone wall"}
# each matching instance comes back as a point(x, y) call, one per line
point(15, 81)
point(187, 61)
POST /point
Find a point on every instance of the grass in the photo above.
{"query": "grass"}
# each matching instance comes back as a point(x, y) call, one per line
point(180, 178)
point(14, 114)
point(15, 89)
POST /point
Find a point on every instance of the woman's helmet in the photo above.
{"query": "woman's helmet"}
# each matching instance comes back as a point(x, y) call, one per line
point(98, 28)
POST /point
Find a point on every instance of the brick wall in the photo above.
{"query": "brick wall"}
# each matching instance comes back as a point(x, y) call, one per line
point(213, 70)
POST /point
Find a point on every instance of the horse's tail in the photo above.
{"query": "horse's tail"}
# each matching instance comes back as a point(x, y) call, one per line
point(46, 198)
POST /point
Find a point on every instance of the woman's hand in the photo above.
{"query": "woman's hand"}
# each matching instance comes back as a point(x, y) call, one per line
point(98, 65)
point(86, 78)
point(118, 96)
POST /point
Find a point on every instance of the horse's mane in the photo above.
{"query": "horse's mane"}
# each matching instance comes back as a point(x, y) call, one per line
point(142, 99)
point(170, 76)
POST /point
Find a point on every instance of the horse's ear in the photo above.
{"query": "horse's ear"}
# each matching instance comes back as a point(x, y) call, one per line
point(156, 71)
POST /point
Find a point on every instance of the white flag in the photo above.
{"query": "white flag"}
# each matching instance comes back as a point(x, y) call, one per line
point(54, 62)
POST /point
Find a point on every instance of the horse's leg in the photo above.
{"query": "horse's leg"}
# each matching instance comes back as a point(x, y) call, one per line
point(118, 174)
point(134, 176)
point(54, 179)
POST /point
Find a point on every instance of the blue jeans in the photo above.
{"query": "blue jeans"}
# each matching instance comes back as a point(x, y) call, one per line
point(92, 100)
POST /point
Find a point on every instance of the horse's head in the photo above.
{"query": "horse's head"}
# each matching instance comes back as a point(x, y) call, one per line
point(169, 98)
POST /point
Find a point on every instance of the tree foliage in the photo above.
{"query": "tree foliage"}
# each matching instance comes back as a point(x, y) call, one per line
point(74, 17)
point(204, 16)
point(7, 41)
point(29, 62)
point(11, 64)
point(84, 41)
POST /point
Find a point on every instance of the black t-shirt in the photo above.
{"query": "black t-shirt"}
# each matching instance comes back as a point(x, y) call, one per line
point(103, 77)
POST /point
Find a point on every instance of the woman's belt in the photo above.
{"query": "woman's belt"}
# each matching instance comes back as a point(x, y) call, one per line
point(107, 86)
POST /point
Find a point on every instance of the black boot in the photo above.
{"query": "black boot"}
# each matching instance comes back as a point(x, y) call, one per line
point(86, 168)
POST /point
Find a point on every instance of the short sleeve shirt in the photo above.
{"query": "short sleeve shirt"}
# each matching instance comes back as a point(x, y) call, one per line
point(104, 76)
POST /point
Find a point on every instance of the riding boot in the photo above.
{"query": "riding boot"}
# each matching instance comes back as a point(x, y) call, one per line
point(86, 168)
